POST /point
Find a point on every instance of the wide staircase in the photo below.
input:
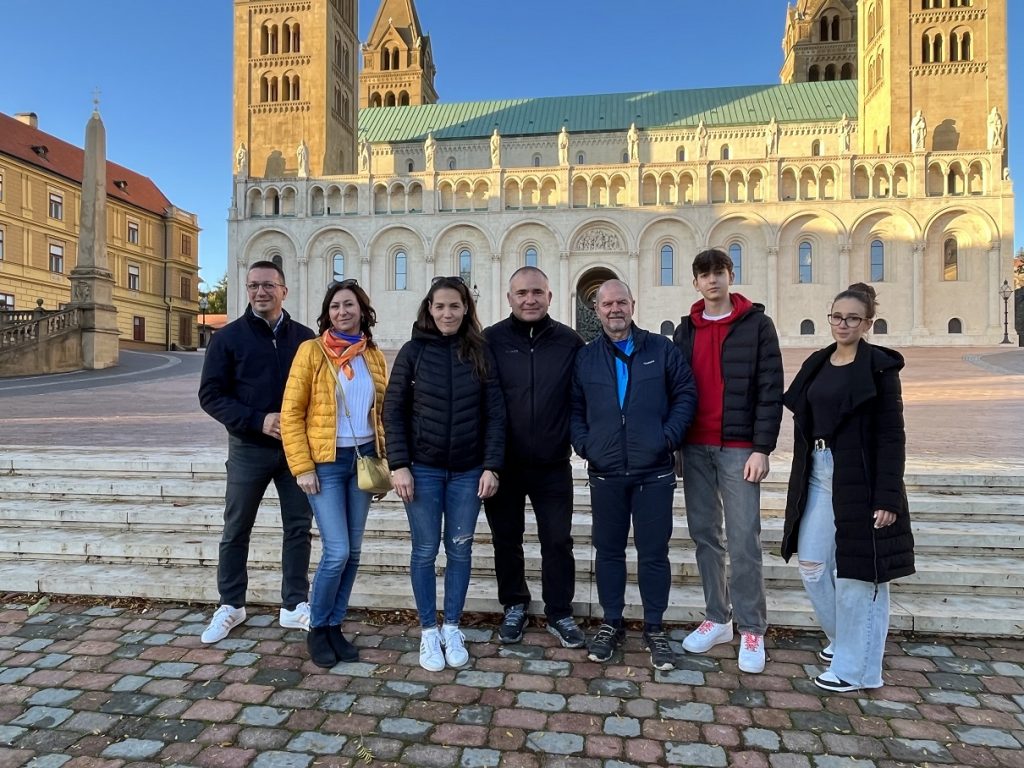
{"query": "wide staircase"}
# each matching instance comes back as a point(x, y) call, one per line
point(121, 523)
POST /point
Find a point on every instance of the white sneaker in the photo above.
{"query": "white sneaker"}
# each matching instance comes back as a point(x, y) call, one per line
point(708, 635)
point(297, 619)
point(431, 657)
point(224, 620)
point(454, 643)
point(751, 658)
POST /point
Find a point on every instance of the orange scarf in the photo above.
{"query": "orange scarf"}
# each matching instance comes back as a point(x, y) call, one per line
point(342, 352)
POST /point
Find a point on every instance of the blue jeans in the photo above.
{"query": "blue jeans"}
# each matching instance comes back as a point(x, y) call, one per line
point(723, 513)
point(445, 502)
point(341, 510)
point(854, 617)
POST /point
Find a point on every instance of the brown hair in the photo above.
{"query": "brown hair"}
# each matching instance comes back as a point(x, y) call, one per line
point(367, 315)
point(711, 260)
point(471, 336)
point(863, 293)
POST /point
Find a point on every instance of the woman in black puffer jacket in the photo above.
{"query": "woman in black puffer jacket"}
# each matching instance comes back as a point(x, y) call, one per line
point(444, 419)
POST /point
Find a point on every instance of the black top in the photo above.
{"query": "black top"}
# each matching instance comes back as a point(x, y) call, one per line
point(826, 393)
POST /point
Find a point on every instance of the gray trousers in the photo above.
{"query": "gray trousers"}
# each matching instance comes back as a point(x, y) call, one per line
point(723, 512)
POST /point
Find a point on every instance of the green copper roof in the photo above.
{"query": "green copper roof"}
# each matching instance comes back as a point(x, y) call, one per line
point(737, 105)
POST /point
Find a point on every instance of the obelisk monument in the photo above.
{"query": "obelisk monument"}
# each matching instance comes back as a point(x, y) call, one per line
point(92, 284)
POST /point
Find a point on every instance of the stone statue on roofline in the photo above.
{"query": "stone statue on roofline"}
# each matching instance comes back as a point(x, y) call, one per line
point(633, 140)
point(771, 137)
point(429, 148)
point(364, 154)
point(995, 129)
point(918, 131)
point(302, 156)
point(702, 139)
point(563, 147)
point(495, 149)
point(844, 133)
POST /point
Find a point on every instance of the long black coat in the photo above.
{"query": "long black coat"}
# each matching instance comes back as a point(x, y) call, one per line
point(869, 450)
point(436, 412)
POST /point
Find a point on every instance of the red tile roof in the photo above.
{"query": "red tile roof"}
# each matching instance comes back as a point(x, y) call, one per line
point(63, 159)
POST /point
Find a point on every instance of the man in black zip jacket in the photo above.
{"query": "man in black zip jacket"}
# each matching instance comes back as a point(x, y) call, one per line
point(633, 398)
point(534, 355)
point(243, 380)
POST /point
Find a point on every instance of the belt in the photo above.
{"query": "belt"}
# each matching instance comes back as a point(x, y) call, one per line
point(821, 444)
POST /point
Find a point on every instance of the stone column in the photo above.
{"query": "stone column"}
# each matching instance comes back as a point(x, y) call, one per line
point(364, 272)
point(919, 328)
point(995, 279)
point(772, 283)
point(634, 272)
point(844, 266)
point(304, 303)
point(496, 296)
point(563, 291)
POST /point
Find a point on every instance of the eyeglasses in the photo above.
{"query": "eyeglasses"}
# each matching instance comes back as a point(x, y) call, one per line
point(337, 285)
point(850, 321)
point(267, 287)
point(453, 278)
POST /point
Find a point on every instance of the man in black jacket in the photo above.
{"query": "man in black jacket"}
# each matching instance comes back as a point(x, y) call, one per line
point(733, 349)
point(242, 385)
point(632, 400)
point(534, 355)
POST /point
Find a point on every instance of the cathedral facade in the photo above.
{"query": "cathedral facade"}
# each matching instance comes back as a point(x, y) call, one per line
point(879, 157)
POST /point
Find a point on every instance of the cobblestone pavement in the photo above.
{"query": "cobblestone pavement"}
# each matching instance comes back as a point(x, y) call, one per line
point(99, 686)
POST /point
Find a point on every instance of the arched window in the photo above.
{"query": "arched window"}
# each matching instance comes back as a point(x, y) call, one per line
point(835, 28)
point(403, 99)
point(666, 267)
point(530, 257)
point(277, 261)
point(681, 154)
point(401, 271)
point(814, 74)
point(966, 54)
point(346, 107)
point(815, 148)
point(581, 158)
point(877, 261)
point(409, 166)
point(880, 327)
point(807, 328)
point(846, 73)
point(466, 266)
point(536, 160)
point(338, 262)
point(950, 260)
point(451, 163)
point(296, 37)
point(389, 99)
point(667, 328)
point(264, 88)
point(296, 93)
point(830, 72)
point(385, 59)
point(806, 270)
point(736, 254)
point(937, 49)
point(394, 58)
point(273, 89)
point(823, 29)
point(625, 157)
point(955, 325)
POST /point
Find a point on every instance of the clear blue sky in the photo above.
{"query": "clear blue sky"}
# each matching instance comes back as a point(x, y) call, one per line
point(164, 70)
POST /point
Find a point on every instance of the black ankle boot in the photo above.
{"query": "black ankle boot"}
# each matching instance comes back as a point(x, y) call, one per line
point(320, 650)
point(343, 649)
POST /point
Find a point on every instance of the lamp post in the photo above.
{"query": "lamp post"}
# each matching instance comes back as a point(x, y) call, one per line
point(204, 304)
point(476, 294)
point(1006, 292)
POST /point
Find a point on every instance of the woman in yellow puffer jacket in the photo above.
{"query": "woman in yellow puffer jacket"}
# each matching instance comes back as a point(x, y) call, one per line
point(320, 436)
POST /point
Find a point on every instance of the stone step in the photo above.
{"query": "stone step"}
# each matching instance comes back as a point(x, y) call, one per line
point(974, 615)
point(388, 519)
point(936, 573)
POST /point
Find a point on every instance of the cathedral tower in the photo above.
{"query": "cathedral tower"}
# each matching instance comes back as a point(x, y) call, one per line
point(820, 42)
point(294, 101)
point(946, 58)
point(398, 66)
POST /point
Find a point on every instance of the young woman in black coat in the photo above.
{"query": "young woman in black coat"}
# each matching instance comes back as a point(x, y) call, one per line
point(847, 517)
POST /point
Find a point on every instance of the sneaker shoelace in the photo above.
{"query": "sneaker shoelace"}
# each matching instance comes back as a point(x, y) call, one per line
point(706, 627)
point(222, 616)
point(658, 641)
point(513, 616)
point(605, 634)
point(565, 625)
point(431, 642)
point(752, 642)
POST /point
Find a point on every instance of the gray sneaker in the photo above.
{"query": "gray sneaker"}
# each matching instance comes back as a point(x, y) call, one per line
point(511, 629)
point(568, 634)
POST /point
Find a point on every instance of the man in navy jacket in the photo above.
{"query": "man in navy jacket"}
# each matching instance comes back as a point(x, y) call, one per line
point(633, 399)
point(243, 380)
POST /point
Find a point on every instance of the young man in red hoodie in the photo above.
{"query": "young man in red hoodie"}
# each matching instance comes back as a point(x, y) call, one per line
point(733, 349)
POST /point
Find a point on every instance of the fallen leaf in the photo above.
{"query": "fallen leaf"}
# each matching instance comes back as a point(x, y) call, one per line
point(39, 605)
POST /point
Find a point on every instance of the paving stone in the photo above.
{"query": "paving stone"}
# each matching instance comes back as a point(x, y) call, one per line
point(48, 761)
point(174, 730)
point(43, 717)
point(597, 705)
point(677, 753)
point(281, 760)
point(35, 644)
point(130, 703)
point(8, 733)
point(133, 749)
point(826, 722)
point(918, 751)
point(856, 746)
point(606, 687)
point(337, 702)
point(954, 682)
point(48, 740)
point(627, 727)
point(884, 708)
point(963, 666)
point(317, 743)
point(234, 644)
point(14, 674)
point(955, 698)
point(405, 726)
point(91, 722)
point(546, 667)
point(694, 711)
point(761, 738)
point(984, 737)
point(480, 758)
point(294, 699)
point(546, 702)
point(833, 761)
point(928, 650)
point(554, 743)
point(789, 760)
point(53, 697)
point(474, 715)
point(279, 678)
point(406, 689)
point(266, 716)
point(208, 689)
point(1007, 669)
point(159, 639)
point(430, 756)
point(173, 669)
point(130, 683)
point(679, 676)
point(242, 659)
point(744, 698)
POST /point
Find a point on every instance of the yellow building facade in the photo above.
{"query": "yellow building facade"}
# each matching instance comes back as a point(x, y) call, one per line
point(152, 246)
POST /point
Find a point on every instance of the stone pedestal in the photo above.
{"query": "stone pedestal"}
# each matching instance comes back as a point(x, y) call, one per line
point(92, 290)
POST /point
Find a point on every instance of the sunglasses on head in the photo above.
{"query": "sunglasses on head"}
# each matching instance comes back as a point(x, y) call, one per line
point(339, 284)
point(452, 278)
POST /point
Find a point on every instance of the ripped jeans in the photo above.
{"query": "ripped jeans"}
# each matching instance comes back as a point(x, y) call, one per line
point(445, 503)
point(853, 616)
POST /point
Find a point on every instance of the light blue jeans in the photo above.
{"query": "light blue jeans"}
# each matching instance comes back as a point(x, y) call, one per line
point(341, 510)
point(852, 614)
point(443, 504)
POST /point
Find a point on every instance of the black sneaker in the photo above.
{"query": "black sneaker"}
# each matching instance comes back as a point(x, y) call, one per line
point(604, 643)
point(830, 682)
point(826, 654)
point(662, 655)
point(511, 629)
point(568, 634)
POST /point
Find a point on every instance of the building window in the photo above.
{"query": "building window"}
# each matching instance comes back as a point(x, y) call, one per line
point(7, 301)
point(56, 206)
point(186, 245)
point(138, 328)
point(813, 74)
point(401, 271)
point(185, 331)
point(625, 156)
point(950, 260)
point(56, 258)
point(133, 232)
point(881, 328)
point(1, 187)
point(877, 261)
point(736, 254)
point(451, 164)
point(338, 263)
point(955, 326)
point(536, 161)
point(807, 328)
point(667, 328)
point(466, 266)
point(681, 154)
point(815, 148)
point(666, 265)
point(530, 258)
point(186, 288)
point(806, 271)
point(134, 278)
point(410, 166)
point(1, 243)
point(581, 158)
point(724, 154)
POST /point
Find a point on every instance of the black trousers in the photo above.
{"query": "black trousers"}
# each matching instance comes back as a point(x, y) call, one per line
point(550, 492)
point(251, 468)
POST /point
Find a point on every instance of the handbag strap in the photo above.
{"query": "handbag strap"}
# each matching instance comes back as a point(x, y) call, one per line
point(344, 400)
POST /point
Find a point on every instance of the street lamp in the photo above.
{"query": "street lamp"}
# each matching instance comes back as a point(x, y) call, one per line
point(1006, 292)
point(204, 304)
point(476, 294)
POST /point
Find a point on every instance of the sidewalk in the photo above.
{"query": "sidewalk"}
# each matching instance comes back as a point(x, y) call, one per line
point(97, 686)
